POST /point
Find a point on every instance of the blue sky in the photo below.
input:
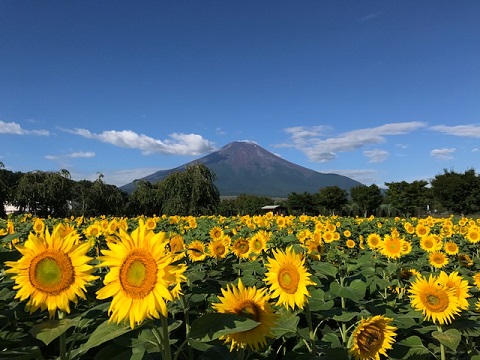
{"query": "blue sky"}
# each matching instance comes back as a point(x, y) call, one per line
point(379, 91)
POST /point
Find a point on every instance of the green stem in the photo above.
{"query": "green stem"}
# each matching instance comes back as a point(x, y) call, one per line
point(311, 332)
point(63, 339)
point(167, 355)
point(442, 348)
point(343, 331)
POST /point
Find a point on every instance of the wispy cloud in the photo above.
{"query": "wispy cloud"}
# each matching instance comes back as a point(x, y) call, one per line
point(116, 177)
point(365, 176)
point(370, 17)
point(312, 141)
point(443, 154)
point(178, 144)
point(459, 130)
point(376, 155)
point(15, 129)
point(73, 155)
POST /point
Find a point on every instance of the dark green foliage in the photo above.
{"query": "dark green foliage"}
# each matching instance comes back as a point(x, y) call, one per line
point(408, 198)
point(332, 198)
point(368, 198)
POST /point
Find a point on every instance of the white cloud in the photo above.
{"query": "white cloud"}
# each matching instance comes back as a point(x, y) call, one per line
point(476, 150)
point(73, 155)
point(458, 130)
point(376, 155)
point(15, 129)
point(443, 154)
point(310, 141)
point(179, 144)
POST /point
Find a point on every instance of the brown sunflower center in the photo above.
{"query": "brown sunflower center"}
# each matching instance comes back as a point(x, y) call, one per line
point(219, 249)
point(436, 301)
point(51, 272)
point(370, 339)
point(288, 278)
point(241, 246)
point(257, 245)
point(249, 309)
point(138, 274)
point(438, 259)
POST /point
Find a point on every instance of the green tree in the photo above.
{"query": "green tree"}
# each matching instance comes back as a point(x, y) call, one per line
point(368, 198)
point(408, 198)
point(305, 203)
point(332, 198)
point(459, 193)
point(145, 199)
point(246, 204)
point(190, 192)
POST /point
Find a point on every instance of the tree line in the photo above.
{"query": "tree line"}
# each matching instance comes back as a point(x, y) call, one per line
point(193, 192)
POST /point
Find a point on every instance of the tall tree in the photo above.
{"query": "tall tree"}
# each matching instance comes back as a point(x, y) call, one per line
point(368, 198)
point(332, 198)
point(408, 198)
point(305, 203)
point(190, 192)
point(459, 193)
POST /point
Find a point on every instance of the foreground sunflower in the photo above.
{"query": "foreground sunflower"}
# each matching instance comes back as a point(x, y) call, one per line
point(140, 275)
point(372, 337)
point(253, 304)
point(288, 278)
point(437, 302)
point(52, 271)
point(459, 285)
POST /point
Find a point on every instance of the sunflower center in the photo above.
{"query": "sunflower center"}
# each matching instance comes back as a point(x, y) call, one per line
point(138, 274)
point(436, 301)
point(248, 309)
point(219, 249)
point(51, 272)
point(370, 339)
point(288, 278)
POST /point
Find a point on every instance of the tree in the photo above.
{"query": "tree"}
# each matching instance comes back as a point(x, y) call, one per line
point(368, 198)
point(459, 193)
point(190, 192)
point(406, 197)
point(305, 203)
point(145, 199)
point(246, 204)
point(332, 198)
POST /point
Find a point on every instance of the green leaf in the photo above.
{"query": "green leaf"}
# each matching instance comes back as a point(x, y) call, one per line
point(355, 291)
point(104, 332)
point(411, 346)
point(450, 338)
point(345, 316)
point(323, 268)
point(212, 326)
point(287, 323)
point(49, 330)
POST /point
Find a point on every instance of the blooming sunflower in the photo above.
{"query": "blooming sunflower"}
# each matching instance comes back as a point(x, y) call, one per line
point(350, 243)
point(216, 233)
point(451, 248)
point(52, 271)
point(473, 234)
point(241, 248)
point(373, 240)
point(438, 303)
point(288, 278)
point(372, 337)
point(391, 247)
point(196, 251)
point(140, 275)
point(430, 243)
point(258, 242)
point(457, 283)
point(253, 304)
point(437, 259)
point(218, 249)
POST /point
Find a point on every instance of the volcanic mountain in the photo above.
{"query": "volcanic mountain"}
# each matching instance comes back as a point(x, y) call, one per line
point(247, 168)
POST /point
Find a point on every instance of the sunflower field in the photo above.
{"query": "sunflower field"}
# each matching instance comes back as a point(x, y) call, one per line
point(241, 287)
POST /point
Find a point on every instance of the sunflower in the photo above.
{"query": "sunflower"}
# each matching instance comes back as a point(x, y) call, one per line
point(457, 283)
point(94, 230)
point(258, 242)
point(350, 243)
point(438, 303)
point(151, 223)
point(39, 226)
point(422, 230)
point(430, 243)
point(52, 271)
point(437, 259)
point(218, 249)
point(241, 248)
point(451, 248)
point(473, 234)
point(253, 304)
point(372, 337)
point(465, 260)
point(177, 246)
point(216, 233)
point(391, 247)
point(476, 280)
point(328, 237)
point(140, 275)
point(196, 251)
point(373, 240)
point(288, 278)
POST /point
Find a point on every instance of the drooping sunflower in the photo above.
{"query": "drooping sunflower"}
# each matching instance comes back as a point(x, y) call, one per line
point(288, 278)
point(438, 259)
point(196, 250)
point(140, 275)
point(52, 271)
point(253, 304)
point(465, 260)
point(372, 337)
point(438, 303)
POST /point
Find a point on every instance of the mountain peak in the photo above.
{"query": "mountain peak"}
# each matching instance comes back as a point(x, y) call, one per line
point(244, 167)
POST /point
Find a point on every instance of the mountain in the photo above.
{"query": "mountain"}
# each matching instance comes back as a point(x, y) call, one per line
point(247, 168)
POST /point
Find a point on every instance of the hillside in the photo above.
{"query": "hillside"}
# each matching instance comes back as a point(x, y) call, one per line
point(247, 168)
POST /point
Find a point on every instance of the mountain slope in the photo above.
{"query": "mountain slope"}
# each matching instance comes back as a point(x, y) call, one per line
point(247, 168)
